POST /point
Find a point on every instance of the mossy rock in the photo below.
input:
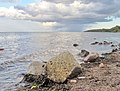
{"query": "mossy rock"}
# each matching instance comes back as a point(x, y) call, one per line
point(63, 66)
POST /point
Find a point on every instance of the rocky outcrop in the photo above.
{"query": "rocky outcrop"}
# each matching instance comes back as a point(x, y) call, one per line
point(63, 66)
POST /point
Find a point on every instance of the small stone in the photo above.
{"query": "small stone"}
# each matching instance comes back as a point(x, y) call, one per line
point(118, 65)
point(84, 53)
point(94, 43)
point(73, 81)
point(37, 68)
point(114, 50)
point(75, 45)
point(81, 78)
point(113, 45)
point(91, 57)
point(1, 49)
point(63, 66)
point(102, 65)
point(19, 78)
point(22, 84)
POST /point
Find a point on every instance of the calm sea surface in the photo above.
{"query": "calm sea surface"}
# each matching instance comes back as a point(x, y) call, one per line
point(22, 48)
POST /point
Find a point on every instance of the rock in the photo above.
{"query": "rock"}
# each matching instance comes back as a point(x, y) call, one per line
point(91, 57)
point(75, 45)
point(37, 68)
point(35, 79)
point(107, 43)
point(1, 49)
point(114, 45)
point(94, 43)
point(63, 66)
point(100, 43)
point(20, 78)
point(73, 81)
point(118, 65)
point(81, 78)
point(114, 50)
point(102, 65)
point(84, 53)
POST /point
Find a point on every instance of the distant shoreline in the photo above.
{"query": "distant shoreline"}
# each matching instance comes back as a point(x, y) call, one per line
point(113, 29)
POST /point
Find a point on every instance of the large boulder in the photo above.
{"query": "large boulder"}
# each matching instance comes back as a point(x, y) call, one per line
point(37, 68)
point(63, 66)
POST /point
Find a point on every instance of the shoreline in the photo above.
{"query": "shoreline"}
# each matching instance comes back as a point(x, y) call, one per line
point(94, 77)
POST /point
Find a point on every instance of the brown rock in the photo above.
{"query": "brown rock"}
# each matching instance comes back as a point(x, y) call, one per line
point(102, 65)
point(91, 57)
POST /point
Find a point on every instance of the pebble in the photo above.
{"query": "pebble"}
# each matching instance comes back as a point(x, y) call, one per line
point(1, 49)
point(73, 81)
point(102, 65)
point(115, 50)
point(75, 45)
point(118, 65)
point(81, 78)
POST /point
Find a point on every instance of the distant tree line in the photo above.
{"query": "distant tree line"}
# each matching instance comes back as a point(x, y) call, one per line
point(113, 29)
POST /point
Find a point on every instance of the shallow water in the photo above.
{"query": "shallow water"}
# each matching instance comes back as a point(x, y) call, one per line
point(22, 48)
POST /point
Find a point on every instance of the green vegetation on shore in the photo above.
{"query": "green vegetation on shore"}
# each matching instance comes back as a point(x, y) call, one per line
point(113, 29)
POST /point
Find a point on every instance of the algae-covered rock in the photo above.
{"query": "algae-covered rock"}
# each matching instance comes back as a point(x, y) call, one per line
point(37, 68)
point(63, 66)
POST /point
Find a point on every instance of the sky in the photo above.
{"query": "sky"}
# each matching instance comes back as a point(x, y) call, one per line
point(58, 15)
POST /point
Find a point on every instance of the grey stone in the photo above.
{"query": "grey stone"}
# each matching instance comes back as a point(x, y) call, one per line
point(83, 53)
point(37, 68)
point(63, 66)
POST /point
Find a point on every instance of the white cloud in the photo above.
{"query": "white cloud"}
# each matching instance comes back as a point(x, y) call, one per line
point(52, 12)
point(62, 14)
point(13, 13)
point(10, 1)
point(61, 1)
point(50, 24)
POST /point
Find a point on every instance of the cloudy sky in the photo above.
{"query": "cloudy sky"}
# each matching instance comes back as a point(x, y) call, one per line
point(58, 15)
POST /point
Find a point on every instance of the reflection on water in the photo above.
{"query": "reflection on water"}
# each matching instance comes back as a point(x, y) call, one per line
point(21, 48)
